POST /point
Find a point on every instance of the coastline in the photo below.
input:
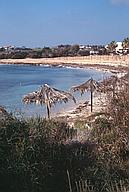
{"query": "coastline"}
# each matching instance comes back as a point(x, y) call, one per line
point(83, 110)
point(114, 64)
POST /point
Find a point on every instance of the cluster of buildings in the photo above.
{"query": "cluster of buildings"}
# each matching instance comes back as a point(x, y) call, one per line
point(93, 49)
point(99, 49)
point(82, 49)
point(119, 48)
point(11, 48)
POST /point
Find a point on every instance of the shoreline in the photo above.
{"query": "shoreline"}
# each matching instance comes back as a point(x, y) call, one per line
point(113, 64)
point(110, 63)
point(83, 110)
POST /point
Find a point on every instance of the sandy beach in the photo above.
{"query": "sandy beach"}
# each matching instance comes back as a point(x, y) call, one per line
point(107, 62)
point(113, 64)
point(83, 110)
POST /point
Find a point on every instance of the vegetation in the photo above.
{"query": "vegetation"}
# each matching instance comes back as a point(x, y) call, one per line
point(47, 52)
point(125, 43)
point(112, 46)
point(42, 155)
point(11, 52)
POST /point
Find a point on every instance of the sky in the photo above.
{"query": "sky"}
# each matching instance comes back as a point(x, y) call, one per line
point(39, 23)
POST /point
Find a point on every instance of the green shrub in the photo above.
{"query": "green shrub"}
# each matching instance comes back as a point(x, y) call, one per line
point(37, 155)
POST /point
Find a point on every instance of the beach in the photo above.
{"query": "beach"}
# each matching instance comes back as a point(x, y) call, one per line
point(116, 64)
point(82, 111)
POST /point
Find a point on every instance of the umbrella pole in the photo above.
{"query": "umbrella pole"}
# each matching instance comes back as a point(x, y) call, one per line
point(91, 92)
point(48, 111)
point(91, 100)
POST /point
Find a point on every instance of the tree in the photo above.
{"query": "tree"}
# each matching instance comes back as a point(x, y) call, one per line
point(125, 43)
point(74, 50)
point(112, 47)
point(2, 49)
point(47, 52)
point(19, 55)
point(48, 96)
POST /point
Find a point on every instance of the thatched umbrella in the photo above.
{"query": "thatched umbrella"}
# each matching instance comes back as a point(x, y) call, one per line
point(90, 85)
point(48, 96)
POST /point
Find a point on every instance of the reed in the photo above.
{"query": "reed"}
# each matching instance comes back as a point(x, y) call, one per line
point(41, 155)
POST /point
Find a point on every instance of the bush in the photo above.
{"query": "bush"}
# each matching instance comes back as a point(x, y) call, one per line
point(19, 55)
point(111, 135)
point(37, 155)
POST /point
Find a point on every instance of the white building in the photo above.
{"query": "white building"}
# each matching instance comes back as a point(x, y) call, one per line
point(119, 48)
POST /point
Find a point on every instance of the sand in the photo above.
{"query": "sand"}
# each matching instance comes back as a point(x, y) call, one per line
point(112, 63)
point(117, 62)
point(83, 110)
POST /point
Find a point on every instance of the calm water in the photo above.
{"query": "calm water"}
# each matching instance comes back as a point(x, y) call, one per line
point(18, 80)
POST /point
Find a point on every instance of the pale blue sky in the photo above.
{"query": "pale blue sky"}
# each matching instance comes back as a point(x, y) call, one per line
point(39, 23)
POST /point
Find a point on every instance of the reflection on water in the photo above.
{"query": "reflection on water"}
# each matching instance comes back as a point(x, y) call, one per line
point(18, 80)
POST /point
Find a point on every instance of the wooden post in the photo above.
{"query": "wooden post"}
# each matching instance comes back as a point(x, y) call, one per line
point(48, 109)
point(91, 100)
point(47, 102)
point(48, 112)
point(91, 91)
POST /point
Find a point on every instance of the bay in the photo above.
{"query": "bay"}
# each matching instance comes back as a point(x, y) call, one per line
point(19, 80)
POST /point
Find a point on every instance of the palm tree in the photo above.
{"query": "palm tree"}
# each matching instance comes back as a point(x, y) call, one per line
point(125, 43)
point(48, 96)
point(90, 85)
point(112, 46)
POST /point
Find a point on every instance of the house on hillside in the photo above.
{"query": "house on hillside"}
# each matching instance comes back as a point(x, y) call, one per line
point(92, 50)
point(119, 48)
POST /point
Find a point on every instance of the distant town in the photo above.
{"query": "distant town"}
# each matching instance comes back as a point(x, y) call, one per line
point(115, 48)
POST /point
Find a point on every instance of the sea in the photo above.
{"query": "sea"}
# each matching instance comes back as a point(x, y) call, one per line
point(18, 80)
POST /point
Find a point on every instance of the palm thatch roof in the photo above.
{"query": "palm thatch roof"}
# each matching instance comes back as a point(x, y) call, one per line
point(49, 95)
point(90, 85)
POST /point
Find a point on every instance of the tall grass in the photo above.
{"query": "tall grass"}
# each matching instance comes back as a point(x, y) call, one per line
point(39, 155)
